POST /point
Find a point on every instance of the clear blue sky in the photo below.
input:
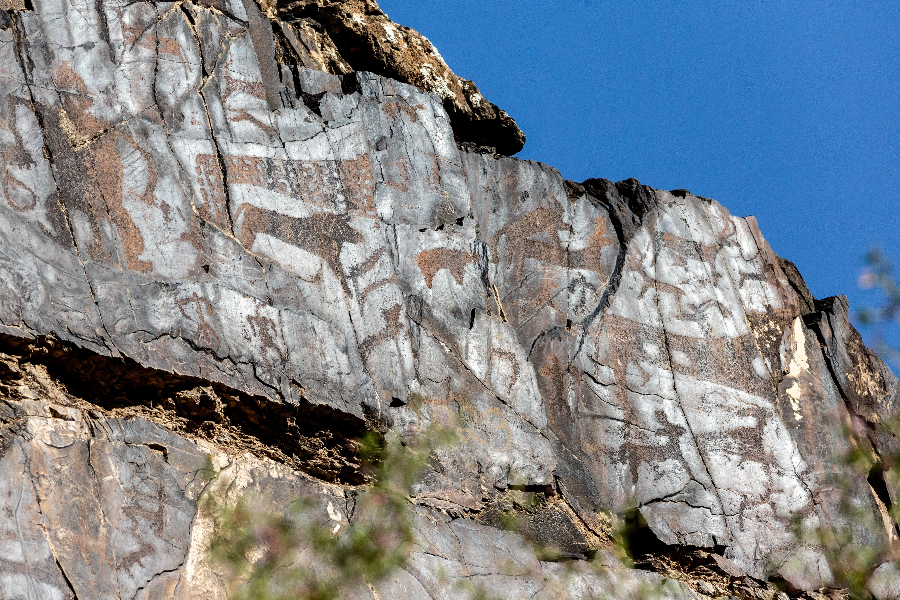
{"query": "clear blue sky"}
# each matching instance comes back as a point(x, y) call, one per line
point(789, 111)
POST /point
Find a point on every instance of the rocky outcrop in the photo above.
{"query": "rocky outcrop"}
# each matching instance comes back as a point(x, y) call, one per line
point(210, 248)
point(367, 40)
point(102, 502)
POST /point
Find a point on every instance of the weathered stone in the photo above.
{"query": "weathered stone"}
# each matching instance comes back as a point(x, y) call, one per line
point(885, 584)
point(217, 239)
point(305, 42)
point(106, 507)
point(369, 41)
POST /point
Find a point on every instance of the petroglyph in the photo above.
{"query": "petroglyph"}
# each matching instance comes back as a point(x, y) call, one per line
point(178, 192)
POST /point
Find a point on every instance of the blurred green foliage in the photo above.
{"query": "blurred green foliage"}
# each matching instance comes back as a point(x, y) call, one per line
point(857, 539)
point(261, 550)
point(299, 555)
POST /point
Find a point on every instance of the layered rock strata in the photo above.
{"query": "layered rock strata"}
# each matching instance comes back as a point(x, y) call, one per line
point(209, 248)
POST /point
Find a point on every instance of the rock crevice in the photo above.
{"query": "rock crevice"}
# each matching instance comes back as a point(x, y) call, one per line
point(316, 440)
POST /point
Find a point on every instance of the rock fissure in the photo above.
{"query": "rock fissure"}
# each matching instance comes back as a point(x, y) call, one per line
point(479, 380)
point(314, 439)
point(21, 55)
point(668, 352)
point(615, 277)
point(875, 476)
point(66, 579)
point(107, 340)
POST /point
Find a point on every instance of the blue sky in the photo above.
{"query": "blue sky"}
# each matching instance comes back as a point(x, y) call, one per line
point(789, 111)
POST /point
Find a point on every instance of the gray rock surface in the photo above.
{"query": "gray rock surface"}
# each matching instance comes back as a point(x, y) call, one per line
point(98, 506)
point(367, 40)
point(289, 256)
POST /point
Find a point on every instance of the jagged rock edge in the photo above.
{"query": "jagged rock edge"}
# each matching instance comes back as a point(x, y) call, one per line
point(100, 385)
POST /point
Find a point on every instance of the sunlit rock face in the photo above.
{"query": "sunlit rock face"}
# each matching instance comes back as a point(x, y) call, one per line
point(208, 248)
point(315, 32)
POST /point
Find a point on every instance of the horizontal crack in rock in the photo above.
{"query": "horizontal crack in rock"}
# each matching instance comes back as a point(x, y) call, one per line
point(315, 439)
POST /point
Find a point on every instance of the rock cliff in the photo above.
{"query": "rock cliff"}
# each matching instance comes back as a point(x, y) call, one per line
point(243, 235)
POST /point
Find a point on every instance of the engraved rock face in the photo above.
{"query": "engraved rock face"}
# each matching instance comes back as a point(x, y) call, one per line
point(107, 508)
point(259, 241)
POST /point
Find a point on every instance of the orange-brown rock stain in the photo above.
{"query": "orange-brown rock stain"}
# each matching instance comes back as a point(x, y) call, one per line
point(432, 261)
